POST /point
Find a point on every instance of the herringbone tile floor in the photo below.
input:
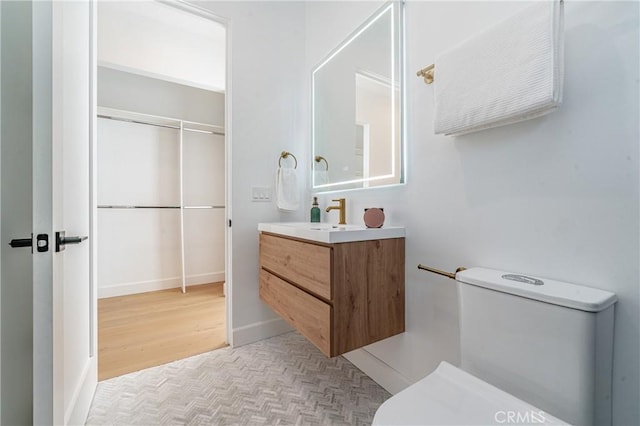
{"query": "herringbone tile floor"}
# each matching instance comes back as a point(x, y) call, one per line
point(279, 381)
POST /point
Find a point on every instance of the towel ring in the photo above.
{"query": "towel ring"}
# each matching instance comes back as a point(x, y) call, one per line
point(286, 154)
point(320, 158)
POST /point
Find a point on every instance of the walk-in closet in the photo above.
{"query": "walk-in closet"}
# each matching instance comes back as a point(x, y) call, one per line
point(161, 200)
point(160, 186)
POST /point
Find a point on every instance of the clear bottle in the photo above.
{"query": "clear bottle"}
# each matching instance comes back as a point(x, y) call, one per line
point(315, 211)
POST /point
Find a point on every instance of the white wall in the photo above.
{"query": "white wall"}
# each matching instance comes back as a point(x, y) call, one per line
point(162, 41)
point(204, 229)
point(268, 115)
point(132, 92)
point(557, 196)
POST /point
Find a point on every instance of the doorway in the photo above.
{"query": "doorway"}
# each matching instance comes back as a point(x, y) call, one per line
point(160, 183)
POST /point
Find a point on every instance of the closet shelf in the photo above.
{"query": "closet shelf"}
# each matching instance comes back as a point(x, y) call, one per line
point(155, 120)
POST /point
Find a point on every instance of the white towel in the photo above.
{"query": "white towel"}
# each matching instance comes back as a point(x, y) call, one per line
point(320, 177)
point(510, 72)
point(287, 194)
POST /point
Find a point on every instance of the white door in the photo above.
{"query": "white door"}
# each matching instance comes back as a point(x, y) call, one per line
point(47, 150)
point(74, 301)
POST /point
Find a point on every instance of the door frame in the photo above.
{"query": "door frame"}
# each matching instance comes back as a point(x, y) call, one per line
point(228, 286)
point(48, 400)
point(207, 14)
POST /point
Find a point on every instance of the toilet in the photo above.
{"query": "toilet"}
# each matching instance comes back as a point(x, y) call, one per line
point(533, 351)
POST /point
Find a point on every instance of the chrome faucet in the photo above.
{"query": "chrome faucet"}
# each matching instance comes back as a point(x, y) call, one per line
point(343, 210)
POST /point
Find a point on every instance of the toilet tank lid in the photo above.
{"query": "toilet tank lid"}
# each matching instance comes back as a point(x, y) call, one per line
point(545, 290)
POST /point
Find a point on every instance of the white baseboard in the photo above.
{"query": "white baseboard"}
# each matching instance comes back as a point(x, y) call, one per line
point(381, 372)
point(209, 277)
point(124, 289)
point(259, 331)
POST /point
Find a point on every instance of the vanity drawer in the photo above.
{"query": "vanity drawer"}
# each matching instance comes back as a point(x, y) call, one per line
point(309, 315)
point(307, 265)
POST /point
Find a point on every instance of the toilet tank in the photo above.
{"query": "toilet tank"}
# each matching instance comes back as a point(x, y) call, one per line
point(547, 342)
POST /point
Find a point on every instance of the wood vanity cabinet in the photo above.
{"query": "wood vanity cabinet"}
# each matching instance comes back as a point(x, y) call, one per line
point(340, 296)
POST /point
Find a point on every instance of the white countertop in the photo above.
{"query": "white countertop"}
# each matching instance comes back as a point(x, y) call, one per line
point(330, 233)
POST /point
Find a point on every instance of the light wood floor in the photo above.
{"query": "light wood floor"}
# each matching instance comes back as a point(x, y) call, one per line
point(144, 330)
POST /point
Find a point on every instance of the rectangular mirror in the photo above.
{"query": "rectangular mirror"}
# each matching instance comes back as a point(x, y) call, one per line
point(356, 107)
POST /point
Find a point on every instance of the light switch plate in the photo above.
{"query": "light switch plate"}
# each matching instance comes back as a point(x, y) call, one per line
point(261, 193)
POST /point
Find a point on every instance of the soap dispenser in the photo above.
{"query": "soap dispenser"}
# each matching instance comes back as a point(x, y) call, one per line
point(315, 211)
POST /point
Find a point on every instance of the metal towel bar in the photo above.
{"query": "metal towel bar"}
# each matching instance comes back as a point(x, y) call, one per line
point(451, 275)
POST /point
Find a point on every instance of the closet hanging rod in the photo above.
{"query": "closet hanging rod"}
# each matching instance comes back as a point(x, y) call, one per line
point(128, 120)
point(167, 126)
point(204, 207)
point(137, 207)
point(203, 131)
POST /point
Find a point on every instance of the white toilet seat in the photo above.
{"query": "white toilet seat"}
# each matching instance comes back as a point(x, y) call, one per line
point(450, 396)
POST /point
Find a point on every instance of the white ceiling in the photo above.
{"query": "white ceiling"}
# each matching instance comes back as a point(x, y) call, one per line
point(161, 41)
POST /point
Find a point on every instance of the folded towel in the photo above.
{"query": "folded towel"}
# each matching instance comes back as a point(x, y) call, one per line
point(510, 72)
point(320, 177)
point(287, 194)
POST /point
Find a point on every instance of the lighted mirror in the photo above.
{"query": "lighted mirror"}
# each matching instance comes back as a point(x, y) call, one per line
point(356, 108)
